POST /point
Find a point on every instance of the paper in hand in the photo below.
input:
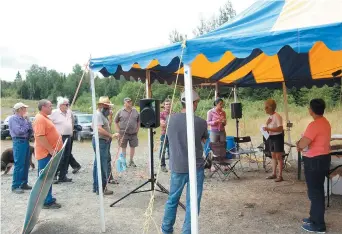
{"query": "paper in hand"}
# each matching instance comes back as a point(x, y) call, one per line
point(264, 133)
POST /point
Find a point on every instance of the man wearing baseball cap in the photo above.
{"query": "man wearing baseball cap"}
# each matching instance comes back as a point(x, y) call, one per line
point(20, 130)
point(179, 165)
point(127, 123)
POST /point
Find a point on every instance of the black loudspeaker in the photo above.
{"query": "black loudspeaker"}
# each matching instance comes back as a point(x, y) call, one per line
point(149, 113)
point(236, 110)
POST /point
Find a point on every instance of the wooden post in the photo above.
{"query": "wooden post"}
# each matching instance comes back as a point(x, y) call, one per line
point(148, 84)
point(286, 110)
point(216, 90)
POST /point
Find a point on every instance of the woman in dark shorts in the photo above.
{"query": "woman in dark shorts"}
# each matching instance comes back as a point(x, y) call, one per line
point(274, 126)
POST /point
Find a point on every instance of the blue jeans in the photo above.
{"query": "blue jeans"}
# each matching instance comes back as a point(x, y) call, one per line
point(104, 154)
point(166, 148)
point(41, 165)
point(177, 183)
point(21, 156)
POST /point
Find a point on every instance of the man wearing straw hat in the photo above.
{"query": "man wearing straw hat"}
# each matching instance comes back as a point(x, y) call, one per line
point(20, 130)
point(105, 137)
point(47, 143)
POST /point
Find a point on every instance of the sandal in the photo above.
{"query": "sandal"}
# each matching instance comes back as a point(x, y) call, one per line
point(271, 177)
point(279, 179)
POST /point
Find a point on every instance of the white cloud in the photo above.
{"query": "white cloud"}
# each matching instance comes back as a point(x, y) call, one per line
point(59, 34)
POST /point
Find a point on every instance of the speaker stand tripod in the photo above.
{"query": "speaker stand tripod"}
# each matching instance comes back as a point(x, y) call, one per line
point(152, 180)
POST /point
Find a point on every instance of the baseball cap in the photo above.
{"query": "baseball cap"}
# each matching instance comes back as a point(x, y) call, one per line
point(195, 96)
point(127, 99)
point(19, 105)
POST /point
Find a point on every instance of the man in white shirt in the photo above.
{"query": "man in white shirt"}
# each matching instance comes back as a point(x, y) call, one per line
point(63, 120)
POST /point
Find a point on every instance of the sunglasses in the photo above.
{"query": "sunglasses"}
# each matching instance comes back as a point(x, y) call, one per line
point(66, 104)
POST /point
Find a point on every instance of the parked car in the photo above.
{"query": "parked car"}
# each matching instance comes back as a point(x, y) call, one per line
point(5, 129)
point(83, 128)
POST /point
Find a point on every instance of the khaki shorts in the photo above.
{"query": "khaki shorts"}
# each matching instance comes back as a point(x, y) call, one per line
point(131, 138)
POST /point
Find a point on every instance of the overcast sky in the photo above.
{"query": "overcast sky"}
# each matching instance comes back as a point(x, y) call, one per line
point(59, 34)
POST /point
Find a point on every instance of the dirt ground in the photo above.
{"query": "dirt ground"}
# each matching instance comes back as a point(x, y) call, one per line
point(246, 205)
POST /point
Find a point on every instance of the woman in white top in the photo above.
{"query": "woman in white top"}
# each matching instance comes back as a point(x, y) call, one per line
point(274, 126)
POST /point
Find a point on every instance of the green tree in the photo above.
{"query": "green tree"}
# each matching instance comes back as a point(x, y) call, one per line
point(176, 36)
point(226, 13)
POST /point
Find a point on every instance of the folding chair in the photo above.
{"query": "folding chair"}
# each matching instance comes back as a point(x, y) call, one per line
point(218, 160)
point(244, 146)
point(266, 153)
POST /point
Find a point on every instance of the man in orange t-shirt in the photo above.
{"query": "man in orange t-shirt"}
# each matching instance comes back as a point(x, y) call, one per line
point(315, 145)
point(47, 143)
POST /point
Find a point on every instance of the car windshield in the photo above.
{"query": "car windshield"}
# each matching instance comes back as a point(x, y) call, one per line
point(84, 119)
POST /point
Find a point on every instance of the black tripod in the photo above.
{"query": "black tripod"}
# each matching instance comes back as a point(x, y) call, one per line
point(151, 180)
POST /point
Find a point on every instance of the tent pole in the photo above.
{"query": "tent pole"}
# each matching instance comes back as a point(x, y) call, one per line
point(97, 149)
point(216, 90)
point(191, 148)
point(286, 110)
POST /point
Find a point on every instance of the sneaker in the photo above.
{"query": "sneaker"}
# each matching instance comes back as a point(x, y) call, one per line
point(26, 187)
point(312, 228)
point(307, 221)
point(132, 164)
point(64, 180)
point(163, 169)
point(53, 205)
point(76, 170)
point(55, 180)
point(18, 190)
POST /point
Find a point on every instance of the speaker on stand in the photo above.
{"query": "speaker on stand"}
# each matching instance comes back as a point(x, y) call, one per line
point(149, 118)
point(236, 113)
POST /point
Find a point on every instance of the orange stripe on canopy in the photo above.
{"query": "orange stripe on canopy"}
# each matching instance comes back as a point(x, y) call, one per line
point(202, 67)
point(264, 68)
point(324, 61)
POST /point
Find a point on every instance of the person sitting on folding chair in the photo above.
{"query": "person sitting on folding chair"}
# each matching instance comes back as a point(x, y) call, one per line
point(274, 126)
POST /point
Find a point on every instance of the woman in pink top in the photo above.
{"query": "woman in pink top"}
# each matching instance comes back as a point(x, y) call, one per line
point(274, 126)
point(216, 119)
point(315, 145)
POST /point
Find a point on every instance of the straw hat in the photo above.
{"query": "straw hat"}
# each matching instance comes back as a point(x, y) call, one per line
point(105, 100)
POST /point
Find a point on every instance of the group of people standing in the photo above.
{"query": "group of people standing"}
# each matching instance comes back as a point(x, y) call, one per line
point(51, 129)
point(314, 144)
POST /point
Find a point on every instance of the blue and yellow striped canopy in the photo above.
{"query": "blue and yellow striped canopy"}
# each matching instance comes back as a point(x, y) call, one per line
point(298, 42)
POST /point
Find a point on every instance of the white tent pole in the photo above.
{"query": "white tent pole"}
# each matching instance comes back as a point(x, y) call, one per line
point(191, 148)
point(286, 110)
point(97, 149)
point(235, 94)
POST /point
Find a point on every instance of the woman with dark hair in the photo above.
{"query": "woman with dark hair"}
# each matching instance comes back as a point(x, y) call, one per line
point(315, 145)
point(274, 126)
point(217, 120)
